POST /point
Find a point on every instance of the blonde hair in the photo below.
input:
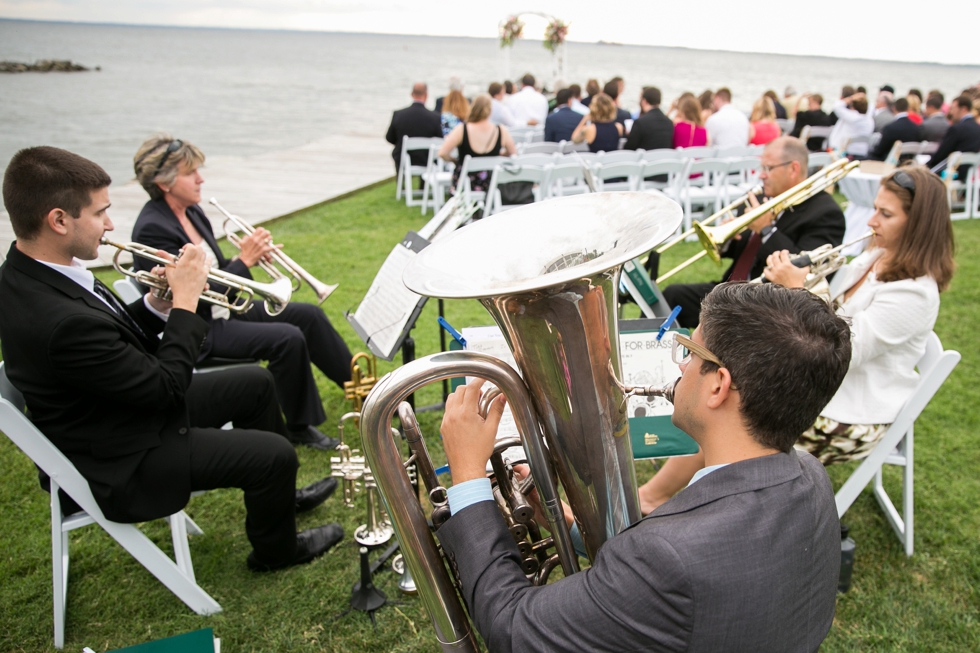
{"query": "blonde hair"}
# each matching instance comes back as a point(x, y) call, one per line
point(915, 104)
point(690, 110)
point(156, 163)
point(480, 110)
point(456, 104)
point(763, 109)
point(602, 108)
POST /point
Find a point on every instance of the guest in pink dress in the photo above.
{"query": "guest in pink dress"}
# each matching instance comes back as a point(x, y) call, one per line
point(762, 124)
point(689, 129)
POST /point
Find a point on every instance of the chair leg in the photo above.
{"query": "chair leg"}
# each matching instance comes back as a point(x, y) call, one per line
point(398, 182)
point(908, 495)
point(182, 551)
point(59, 567)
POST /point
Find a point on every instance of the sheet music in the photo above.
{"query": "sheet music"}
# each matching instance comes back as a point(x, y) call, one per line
point(450, 217)
point(489, 340)
point(647, 361)
point(388, 304)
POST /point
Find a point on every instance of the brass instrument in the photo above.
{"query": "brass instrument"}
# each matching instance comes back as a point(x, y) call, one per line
point(725, 211)
point(275, 294)
point(712, 238)
point(553, 291)
point(361, 381)
point(348, 466)
point(293, 269)
point(822, 261)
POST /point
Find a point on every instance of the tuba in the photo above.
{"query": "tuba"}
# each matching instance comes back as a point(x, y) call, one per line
point(548, 273)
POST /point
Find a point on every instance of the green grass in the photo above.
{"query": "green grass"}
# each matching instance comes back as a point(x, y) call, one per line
point(926, 603)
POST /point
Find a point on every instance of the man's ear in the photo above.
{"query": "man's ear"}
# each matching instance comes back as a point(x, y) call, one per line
point(721, 383)
point(57, 221)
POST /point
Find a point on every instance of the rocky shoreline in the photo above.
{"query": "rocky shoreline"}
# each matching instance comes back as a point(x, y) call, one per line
point(43, 66)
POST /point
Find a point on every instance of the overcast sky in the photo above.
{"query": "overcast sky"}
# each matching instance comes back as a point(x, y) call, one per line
point(945, 32)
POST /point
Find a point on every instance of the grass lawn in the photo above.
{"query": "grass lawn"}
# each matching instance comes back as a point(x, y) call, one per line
point(926, 603)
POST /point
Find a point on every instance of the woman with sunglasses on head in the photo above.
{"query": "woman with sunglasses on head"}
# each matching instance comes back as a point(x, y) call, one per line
point(891, 295)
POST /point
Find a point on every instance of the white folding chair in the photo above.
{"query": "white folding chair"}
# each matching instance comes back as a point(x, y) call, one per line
point(438, 177)
point(507, 173)
point(127, 289)
point(533, 159)
point(566, 177)
point(603, 171)
point(854, 141)
point(817, 132)
point(405, 183)
point(743, 175)
point(963, 194)
point(471, 165)
point(619, 156)
point(666, 154)
point(568, 146)
point(731, 152)
point(177, 576)
point(895, 446)
point(541, 148)
point(819, 161)
point(785, 125)
point(711, 191)
point(673, 168)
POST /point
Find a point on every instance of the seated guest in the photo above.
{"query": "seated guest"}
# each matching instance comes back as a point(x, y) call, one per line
point(414, 120)
point(727, 126)
point(780, 110)
point(914, 110)
point(475, 138)
point(890, 294)
point(792, 102)
point(884, 107)
point(454, 111)
point(563, 120)
point(652, 130)
point(944, 107)
point(814, 116)
point(689, 131)
point(613, 88)
point(122, 403)
point(935, 125)
point(762, 123)
point(169, 171)
point(707, 102)
point(592, 89)
point(455, 84)
point(963, 135)
point(745, 559)
point(576, 101)
point(599, 129)
point(853, 121)
point(528, 106)
point(815, 222)
point(499, 112)
point(900, 129)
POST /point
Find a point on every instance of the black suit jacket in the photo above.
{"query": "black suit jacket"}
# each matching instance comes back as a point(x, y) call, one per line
point(964, 136)
point(111, 399)
point(560, 124)
point(901, 129)
point(817, 221)
point(815, 118)
point(745, 559)
point(651, 131)
point(412, 121)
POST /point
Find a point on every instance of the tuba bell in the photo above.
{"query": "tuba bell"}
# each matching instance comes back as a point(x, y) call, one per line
point(548, 273)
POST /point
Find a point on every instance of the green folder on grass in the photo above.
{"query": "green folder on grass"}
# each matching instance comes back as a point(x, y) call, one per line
point(199, 641)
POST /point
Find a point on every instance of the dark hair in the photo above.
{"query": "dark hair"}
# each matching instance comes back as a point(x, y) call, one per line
point(771, 94)
point(576, 90)
point(964, 101)
point(860, 105)
point(926, 245)
point(937, 93)
point(563, 96)
point(787, 352)
point(816, 97)
point(847, 91)
point(861, 89)
point(611, 89)
point(652, 95)
point(724, 94)
point(935, 102)
point(495, 89)
point(528, 80)
point(901, 104)
point(592, 87)
point(916, 92)
point(705, 99)
point(41, 179)
point(509, 87)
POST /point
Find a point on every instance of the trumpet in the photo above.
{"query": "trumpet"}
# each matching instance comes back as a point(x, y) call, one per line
point(294, 270)
point(822, 261)
point(275, 294)
point(725, 211)
point(712, 238)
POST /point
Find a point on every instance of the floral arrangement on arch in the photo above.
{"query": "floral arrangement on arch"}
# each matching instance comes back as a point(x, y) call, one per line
point(510, 31)
point(555, 34)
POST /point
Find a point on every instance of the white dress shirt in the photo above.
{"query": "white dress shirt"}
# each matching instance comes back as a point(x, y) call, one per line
point(890, 323)
point(528, 105)
point(578, 107)
point(728, 127)
point(501, 115)
point(851, 123)
point(81, 275)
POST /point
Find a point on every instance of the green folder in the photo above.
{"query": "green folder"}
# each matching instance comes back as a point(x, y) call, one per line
point(199, 641)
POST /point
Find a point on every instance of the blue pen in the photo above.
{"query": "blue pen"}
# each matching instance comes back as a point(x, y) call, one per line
point(457, 336)
point(670, 320)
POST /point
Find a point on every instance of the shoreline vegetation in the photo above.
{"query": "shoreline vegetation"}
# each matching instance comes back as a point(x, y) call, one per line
point(45, 66)
point(929, 602)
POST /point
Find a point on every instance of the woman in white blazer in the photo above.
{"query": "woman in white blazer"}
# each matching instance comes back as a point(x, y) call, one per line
point(891, 295)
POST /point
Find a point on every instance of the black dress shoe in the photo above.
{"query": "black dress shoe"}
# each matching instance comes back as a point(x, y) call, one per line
point(311, 437)
point(314, 494)
point(310, 544)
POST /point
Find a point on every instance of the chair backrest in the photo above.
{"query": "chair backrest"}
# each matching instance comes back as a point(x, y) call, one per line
point(910, 149)
point(629, 169)
point(414, 143)
point(743, 164)
point(935, 365)
point(533, 159)
point(666, 154)
point(819, 160)
point(479, 164)
point(928, 147)
point(127, 289)
point(699, 152)
point(507, 173)
point(819, 132)
point(715, 167)
point(661, 167)
point(567, 146)
point(617, 156)
point(541, 148)
point(785, 124)
point(731, 151)
point(559, 173)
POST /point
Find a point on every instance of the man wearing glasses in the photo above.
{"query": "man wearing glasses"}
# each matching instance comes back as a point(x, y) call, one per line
point(806, 226)
point(745, 559)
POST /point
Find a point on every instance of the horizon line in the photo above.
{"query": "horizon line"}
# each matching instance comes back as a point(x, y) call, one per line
point(482, 38)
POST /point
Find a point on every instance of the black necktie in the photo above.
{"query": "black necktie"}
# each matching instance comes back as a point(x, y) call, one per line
point(116, 305)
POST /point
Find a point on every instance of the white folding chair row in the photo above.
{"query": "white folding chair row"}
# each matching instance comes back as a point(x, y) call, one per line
point(709, 193)
point(743, 175)
point(177, 575)
point(438, 177)
point(964, 194)
point(809, 131)
point(566, 147)
point(619, 155)
point(785, 125)
point(405, 182)
point(566, 177)
point(511, 172)
point(819, 160)
point(473, 165)
point(627, 171)
point(538, 148)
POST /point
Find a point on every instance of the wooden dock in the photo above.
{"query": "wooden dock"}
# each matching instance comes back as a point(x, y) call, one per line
point(258, 188)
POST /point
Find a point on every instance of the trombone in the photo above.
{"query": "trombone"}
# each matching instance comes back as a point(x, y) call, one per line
point(822, 261)
point(275, 294)
point(712, 238)
point(293, 268)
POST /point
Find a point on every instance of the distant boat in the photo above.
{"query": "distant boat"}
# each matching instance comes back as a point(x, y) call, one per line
point(609, 43)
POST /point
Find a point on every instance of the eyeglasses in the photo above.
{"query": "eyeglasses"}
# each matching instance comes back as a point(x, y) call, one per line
point(768, 169)
point(904, 180)
point(684, 347)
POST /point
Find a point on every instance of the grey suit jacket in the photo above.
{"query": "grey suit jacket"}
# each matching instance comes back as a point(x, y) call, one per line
point(746, 559)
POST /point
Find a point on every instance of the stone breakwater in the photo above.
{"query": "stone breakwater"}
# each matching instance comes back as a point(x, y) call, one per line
point(43, 66)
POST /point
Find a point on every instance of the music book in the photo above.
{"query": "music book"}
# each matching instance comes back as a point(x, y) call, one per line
point(448, 219)
point(198, 641)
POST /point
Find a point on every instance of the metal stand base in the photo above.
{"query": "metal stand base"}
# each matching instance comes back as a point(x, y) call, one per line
point(365, 597)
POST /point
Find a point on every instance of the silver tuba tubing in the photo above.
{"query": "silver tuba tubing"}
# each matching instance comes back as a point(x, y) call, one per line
point(434, 584)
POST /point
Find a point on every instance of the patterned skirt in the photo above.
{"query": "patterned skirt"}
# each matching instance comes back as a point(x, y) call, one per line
point(833, 442)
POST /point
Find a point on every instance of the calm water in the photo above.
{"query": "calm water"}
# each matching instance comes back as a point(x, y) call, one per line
point(236, 92)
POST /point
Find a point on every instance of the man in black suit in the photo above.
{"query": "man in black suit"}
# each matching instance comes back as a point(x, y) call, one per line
point(414, 120)
point(122, 404)
point(561, 122)
point(814, 117)
point(290, 340)
point(806, 226)
point(963, 135)
point(745, 559)
point(652, 130)
point(900, 129)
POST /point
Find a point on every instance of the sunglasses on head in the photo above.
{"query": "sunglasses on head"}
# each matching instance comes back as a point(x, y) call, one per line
point(904, 180)
point(171, 148)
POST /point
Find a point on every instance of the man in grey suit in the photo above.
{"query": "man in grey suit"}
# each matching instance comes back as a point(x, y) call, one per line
point(745, 559)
